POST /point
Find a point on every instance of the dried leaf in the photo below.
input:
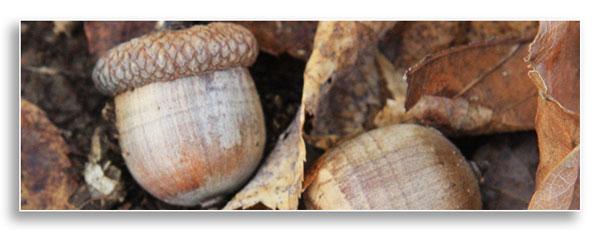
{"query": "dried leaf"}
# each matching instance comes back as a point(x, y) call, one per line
point(101, 176)
point(489, 75)
point(64, 27)
point(393, 111)
point(343, 87)
point(560, 188)
point(448, 115)
point(46, 182)
point(554, 57)
point(486, 30)
point(102, 36)
point(278, 182)
point(507, 163)
point(277, 37)
point(409, 42)
point(558, 134)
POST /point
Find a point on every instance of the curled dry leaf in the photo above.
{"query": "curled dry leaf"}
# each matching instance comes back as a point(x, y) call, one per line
point(554, 57)
point(278, 182)
point(278, 37)
point(393, 112)
point(560, 188)
point(507, 163)
point(101, 176)
point(102, 36)
point(343, 87)
point(486, 81)
point(409, 42)
point(46, 182)
point(450, 114)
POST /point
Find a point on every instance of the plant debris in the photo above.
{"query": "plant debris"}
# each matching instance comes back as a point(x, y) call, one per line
point(554, 58)
point(486, 85)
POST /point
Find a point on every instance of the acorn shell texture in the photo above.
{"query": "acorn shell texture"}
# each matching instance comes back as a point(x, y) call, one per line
point(190, 122)
point(193, 138)
point(396, 167)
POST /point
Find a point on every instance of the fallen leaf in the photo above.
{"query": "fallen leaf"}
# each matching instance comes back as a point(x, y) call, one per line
point(278, 182)
point(449, 115)
point(554, 55)
point(554, 59)
point(393, 112)
point(46, 182)
point(559, 187)
point(409, 42)
point(278, 37)
point(486, 30)
point(343, 87)
point(103, 35)
point(101, 176)
point(64, 27)
point(489, 75)
point(507, 163)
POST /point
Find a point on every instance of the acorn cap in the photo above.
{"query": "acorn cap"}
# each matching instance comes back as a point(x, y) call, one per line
point(169, 55)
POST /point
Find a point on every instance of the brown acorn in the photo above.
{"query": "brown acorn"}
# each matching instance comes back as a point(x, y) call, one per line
point(188, 114)
point(396, 167)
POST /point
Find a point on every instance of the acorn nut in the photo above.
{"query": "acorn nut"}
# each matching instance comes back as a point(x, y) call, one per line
point(396, 167)
point(189, 118)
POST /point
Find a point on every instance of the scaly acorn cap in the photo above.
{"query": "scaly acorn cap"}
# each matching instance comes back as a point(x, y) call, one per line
point(169, 55)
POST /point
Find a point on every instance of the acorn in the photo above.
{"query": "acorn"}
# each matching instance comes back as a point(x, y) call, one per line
point(395, 167)
point(189, 118)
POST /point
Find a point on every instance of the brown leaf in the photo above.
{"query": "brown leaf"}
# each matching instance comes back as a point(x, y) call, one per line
point(343, 87)
point(46, 182)
point(560, 188)
point(277, 37)
point(558, 134)
point(489, 75)
point(409, 42)
point(486, 30)
point(507, 163)
point(393, 111)
point(101, 176)
point(278, 182)
point(450, 115)
point(102, 36)
point(554, 58)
